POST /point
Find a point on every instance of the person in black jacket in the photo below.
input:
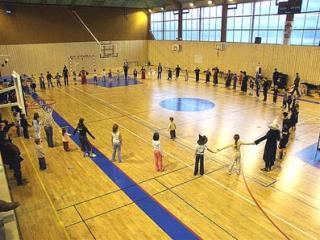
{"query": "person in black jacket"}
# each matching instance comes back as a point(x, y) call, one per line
point(25, 125)
point(275, 77)
point(85, 144)
point(14, 159)
point(197, 72)
point(270, 149)
point(159, 71)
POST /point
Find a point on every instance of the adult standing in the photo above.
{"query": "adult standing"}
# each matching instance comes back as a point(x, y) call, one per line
point(270, 149)
point(83, 75)
point(240, 77)
point(49, 79)
point(14, 159)
point(275, 77)
point(143, 73)
point(215, 76)
point(42, 83)
point(125, 69)
point(85, 144)
point(265, 87)
point(244, 84)
point(197, 72)
point(258, 68)
point(296, 84)
point(235, 80)
point(159, 71)
point(228, 79)
point(258, 82)
point(65, 73)
point(48, 126)
point(208, 75)
point(178, 69)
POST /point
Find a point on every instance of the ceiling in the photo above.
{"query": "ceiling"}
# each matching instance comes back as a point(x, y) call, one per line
point(120, 3)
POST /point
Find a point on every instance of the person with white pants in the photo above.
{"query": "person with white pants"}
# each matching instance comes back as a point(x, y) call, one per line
point(236, 154)
point(116, 141)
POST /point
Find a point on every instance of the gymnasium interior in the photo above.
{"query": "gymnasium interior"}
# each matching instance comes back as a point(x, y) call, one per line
point(159, 119)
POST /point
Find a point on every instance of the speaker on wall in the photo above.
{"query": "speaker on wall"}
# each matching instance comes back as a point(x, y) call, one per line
point(257, 40)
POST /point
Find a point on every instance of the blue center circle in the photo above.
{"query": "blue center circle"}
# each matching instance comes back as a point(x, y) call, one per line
point(187, 104)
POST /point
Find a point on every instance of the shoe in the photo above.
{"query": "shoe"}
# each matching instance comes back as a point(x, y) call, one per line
point(8, 206)
point(264, 169)
point(93, 155)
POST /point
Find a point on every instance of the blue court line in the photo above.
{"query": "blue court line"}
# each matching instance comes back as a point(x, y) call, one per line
point(149, 205)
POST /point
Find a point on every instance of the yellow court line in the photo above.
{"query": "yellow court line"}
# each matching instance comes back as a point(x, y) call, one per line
point(44, 188)
point(207, 176)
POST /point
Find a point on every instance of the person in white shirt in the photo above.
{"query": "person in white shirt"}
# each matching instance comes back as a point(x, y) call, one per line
point(36, 125)
point(236, 153)
point(116, 141)
point(158, 155)
point(199, 154)
point(104, 75)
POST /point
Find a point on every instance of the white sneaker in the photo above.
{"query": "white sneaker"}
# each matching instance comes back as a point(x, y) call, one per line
point(93, 155)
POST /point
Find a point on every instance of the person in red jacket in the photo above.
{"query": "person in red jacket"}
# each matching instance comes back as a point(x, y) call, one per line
point(83, 75)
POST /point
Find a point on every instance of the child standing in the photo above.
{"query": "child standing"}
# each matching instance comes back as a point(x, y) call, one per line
point(65, 139)
point(158, 155)
point(286, 121)
point(236, 155)
point(186, 75)
point(169, 74)
point(40, 154)
point(95, 77)
point(25, 125)
point(104, 75)
point(199, 154)
point(289, 101)
point(58, 77)
point(283, 141)
point(116, 141)
point(251, 86)
point(110, 75)
point(172, 128)
point(275, 94)
point(36, 125)
point(74, 78)
point(135, 74)
point(16, 115)
point(294, 116)
point(118, 75)
point(285, 99)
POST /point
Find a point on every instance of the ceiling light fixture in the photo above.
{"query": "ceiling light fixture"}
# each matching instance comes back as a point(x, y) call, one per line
point(191, 4)
point(162, 8)
point(209, 2)
point(150, 11)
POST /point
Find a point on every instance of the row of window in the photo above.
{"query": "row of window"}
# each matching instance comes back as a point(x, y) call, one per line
point(244, 22)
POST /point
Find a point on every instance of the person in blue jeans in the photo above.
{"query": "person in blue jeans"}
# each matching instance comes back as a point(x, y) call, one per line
point(116, 141)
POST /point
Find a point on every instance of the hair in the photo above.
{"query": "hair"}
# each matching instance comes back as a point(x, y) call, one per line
point(64, 130)
point(22, 116)
point(171, 119)
point(115, 128)
point(285, 114)
point(37, 141)
point(156, 136)
point(81, 121)
point(35, 116)
point(236, 138)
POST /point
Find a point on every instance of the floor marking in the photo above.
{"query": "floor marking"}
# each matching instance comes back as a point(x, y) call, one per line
point(213, 180)
point(169, 223)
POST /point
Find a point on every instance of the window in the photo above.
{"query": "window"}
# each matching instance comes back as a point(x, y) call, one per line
point(267, 23)
point(170, 25)
point(239, 23)
point(258, 19)
point(191, 24)
point(306, 25)
point(157, 25)
point(211, 20)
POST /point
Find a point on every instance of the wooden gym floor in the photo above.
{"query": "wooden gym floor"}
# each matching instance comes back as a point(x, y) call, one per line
point(75, 199)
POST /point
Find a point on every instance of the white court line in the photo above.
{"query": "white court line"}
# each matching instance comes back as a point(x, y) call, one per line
point(207, 176)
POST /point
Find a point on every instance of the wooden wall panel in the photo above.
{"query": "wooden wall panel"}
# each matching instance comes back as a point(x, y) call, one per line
point(37, 58)
point(57, 24)
point(236, 57)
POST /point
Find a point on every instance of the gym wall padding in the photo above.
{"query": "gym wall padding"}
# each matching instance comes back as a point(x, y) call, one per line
point(37, 58)
point(236, 57)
